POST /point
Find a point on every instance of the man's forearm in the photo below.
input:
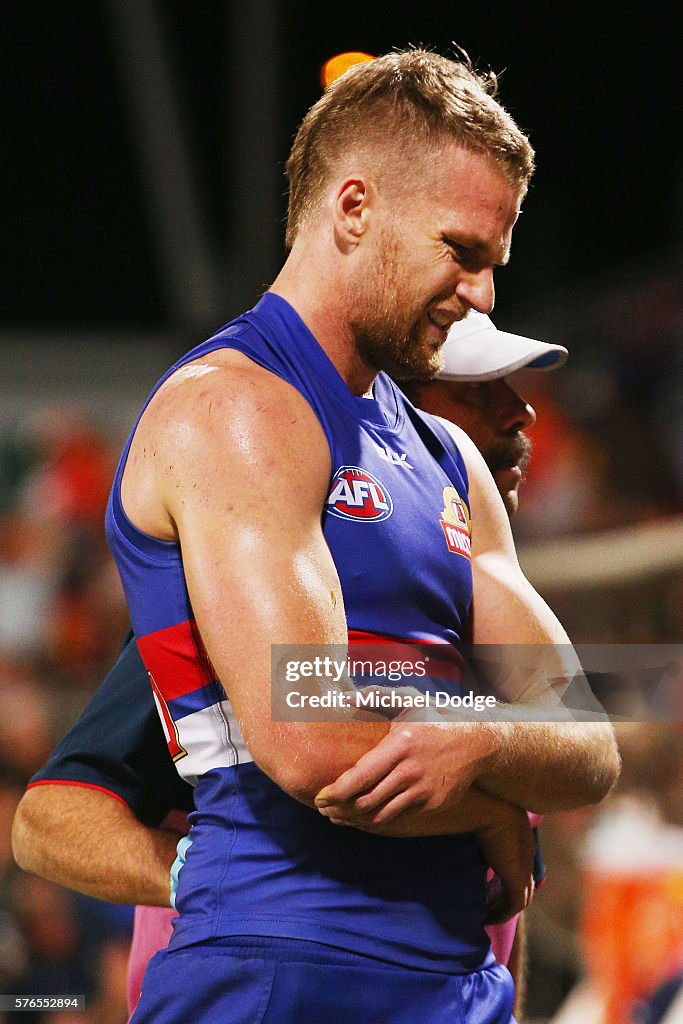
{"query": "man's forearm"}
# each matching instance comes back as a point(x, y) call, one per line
point(542, 755)
point(53, 835)
point(431, 765)
point(517, 966)
point(552, 766)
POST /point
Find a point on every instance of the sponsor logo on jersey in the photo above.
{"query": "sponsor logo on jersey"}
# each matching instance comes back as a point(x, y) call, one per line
point(393, 457)
point(357, 494)
point(455, 522)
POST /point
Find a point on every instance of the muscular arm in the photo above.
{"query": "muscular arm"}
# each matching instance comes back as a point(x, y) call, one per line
point(542, 766)
point(231, 462)
point(91, 842)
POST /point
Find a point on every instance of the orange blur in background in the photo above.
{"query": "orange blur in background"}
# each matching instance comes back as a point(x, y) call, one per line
point(336, 66)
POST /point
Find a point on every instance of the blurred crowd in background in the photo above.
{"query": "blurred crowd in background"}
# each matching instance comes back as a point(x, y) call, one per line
point(62, 619)
point(609, 439)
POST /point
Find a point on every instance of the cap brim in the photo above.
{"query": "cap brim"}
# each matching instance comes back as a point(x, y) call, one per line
point(476, 350)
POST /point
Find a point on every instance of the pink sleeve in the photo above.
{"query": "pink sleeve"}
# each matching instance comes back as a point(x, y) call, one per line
point(502, 936)
point(153, 925)
point(151, 932)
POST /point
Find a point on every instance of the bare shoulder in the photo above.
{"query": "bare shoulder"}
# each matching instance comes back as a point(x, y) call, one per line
point(216, 423)
point(483, 491)
point(221, 395)
point(472, 457)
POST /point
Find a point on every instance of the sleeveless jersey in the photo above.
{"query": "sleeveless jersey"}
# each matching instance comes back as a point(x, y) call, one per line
point(397, 524)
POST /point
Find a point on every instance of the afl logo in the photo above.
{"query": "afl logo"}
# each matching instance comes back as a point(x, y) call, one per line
point(357, 494)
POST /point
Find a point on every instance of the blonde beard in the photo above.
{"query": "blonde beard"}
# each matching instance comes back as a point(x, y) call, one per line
point(383, 339)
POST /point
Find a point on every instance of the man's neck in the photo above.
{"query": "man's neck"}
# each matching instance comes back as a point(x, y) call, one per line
point(309, 289)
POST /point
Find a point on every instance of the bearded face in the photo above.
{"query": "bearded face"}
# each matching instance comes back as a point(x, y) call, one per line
point(399, 318)
point(495, 417)
point(506, 452)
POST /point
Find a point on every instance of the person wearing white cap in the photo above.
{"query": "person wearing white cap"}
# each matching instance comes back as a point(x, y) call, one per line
point(472, 389)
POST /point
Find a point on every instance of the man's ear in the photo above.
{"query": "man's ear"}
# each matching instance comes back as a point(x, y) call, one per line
point(352, 211)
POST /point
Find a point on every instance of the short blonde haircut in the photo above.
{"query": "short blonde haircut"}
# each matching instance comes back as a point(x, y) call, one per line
point(401, 106)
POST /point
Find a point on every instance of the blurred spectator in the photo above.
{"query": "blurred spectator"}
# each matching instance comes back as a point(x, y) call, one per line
point(27, 727)
point(47, 918)
point(28, 581)
point(561, 494)
point(62, 619)
point(625, 862)
point(109, 1004)
point(60, 600)
point(71, 479)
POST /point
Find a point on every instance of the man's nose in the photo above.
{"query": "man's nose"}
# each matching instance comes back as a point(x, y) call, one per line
point(527, 416)
point(518, 416)
point(476, 289)
point(514, 412)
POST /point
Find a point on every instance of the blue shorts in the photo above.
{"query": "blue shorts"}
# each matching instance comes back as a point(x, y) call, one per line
point(248, 980)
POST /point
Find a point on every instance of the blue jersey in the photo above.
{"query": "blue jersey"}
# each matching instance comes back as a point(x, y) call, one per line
point(397, 524)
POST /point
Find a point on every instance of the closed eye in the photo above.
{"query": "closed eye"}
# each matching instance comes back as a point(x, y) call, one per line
point(466, 256)
point(472, 258)
point(459, 251)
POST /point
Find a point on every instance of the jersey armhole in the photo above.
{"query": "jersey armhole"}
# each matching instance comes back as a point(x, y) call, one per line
point(84, 785)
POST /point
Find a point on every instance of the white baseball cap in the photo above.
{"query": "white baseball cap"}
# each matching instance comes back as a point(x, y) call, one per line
point(476, 350)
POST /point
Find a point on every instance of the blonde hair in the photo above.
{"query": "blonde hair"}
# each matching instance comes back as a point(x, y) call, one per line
point(408, 103)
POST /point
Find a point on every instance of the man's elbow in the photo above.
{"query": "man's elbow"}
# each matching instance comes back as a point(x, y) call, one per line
point(608, 774)
point(42, 828)
point(592, 777)
point(301, 757)
point(298, 780)
point(26, 835)
point(301, 770)
point(603, 775)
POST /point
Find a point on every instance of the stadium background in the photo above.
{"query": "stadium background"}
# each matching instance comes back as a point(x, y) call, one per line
point(143, 205)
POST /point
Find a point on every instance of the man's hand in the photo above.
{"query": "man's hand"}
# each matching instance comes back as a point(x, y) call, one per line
point(507, 845)
point(426, 765)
